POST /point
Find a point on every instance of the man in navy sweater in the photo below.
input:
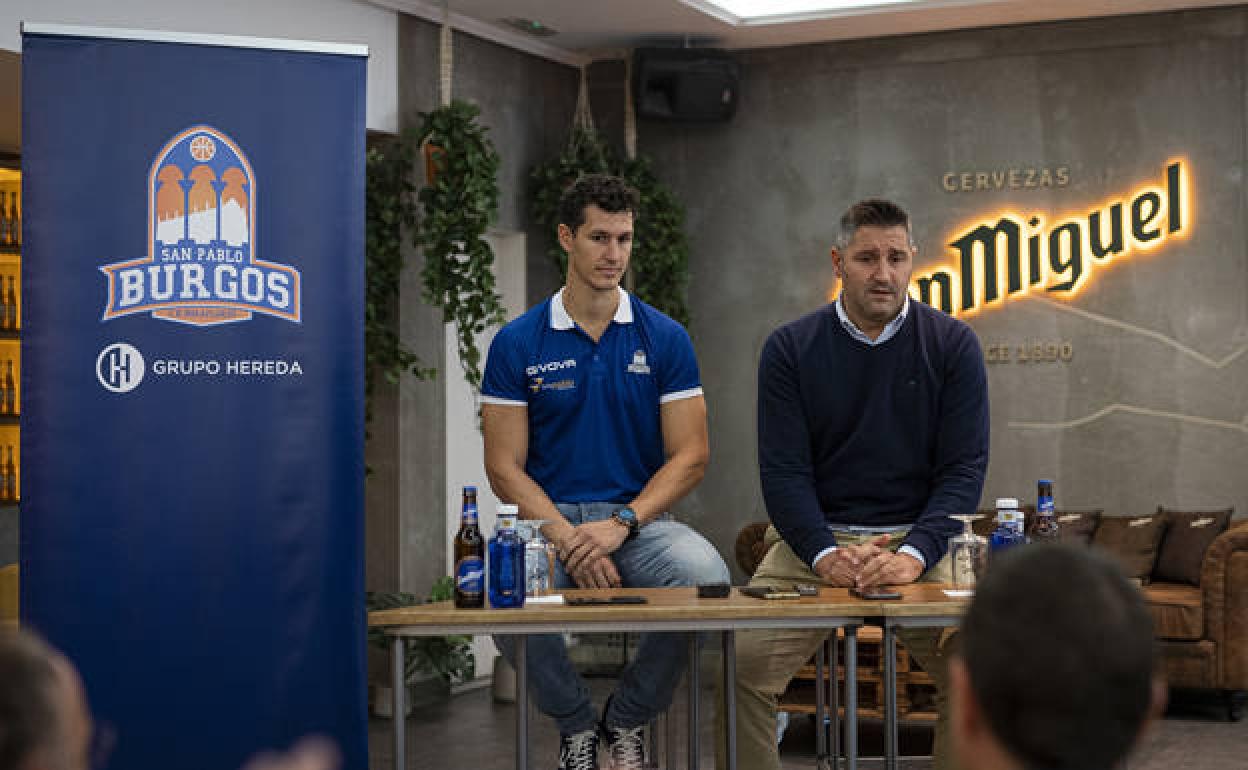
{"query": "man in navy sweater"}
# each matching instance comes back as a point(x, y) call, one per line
point(872, 430)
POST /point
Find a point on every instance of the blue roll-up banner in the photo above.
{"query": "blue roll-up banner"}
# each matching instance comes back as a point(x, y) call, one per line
point(192, 427)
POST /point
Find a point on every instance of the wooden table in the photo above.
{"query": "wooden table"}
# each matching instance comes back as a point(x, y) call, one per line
point(673, 610)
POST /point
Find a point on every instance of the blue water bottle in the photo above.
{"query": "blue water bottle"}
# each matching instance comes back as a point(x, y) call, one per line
point(506, 561)
point(1007, 534)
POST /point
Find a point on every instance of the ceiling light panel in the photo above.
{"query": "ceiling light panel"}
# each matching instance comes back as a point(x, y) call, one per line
point(779, 11)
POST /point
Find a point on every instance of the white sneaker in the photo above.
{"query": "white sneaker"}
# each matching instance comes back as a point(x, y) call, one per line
point(626, 748)
point(579, 751)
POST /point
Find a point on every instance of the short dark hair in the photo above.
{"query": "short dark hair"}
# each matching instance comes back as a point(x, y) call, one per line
point(872, 212)
point(28, 713)
point(1060, 652)
point(609, 193)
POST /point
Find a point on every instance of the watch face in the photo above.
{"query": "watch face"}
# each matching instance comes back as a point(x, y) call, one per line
point(628, 517)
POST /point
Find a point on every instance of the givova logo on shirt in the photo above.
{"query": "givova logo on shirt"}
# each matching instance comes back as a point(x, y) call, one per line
point(550, 366)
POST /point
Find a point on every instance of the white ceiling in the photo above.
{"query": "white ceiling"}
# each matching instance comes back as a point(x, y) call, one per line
point(595, 27)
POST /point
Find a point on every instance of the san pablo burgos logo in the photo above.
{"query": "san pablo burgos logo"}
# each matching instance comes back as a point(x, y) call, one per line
point(201, 266)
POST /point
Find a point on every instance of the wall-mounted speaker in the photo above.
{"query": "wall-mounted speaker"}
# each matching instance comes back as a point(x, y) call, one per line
point(685, 84)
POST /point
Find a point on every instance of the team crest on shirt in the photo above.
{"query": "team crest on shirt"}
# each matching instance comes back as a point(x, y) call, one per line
point(639, 365)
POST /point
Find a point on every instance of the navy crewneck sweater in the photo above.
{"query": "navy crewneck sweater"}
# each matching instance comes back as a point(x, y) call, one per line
point(854, 434)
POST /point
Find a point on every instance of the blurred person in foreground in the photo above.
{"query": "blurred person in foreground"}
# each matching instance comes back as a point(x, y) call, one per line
point(1056, 667)
point(46, 723)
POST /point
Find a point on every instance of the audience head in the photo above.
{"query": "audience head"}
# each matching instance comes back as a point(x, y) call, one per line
point(1057, 665)
point(44, 720)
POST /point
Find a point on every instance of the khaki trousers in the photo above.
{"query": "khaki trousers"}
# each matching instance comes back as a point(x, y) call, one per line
point(767, 659)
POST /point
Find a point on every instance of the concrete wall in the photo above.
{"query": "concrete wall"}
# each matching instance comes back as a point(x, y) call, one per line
point(1150, 408)
point(339, 21)
point(527, 103)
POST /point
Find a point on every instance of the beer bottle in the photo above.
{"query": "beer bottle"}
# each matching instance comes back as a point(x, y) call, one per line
point(4, 222)
point(10, 470)
point(6, 314)
point(10, 301)
point(1046, 516)
point(469, 555)
point(10, 388)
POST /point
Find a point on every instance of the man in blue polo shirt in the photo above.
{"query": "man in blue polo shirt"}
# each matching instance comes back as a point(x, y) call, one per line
point(594, 421)
point(872, 430)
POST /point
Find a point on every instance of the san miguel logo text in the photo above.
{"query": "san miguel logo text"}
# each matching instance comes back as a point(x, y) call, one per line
point(201, 266)
point(1010, 254)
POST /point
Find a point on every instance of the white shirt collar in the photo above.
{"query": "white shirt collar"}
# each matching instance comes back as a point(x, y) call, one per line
point(559, 318)
point(890, 329)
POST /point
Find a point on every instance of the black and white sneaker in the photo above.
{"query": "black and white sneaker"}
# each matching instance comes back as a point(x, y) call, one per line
point(579, 751)
point(626, 747)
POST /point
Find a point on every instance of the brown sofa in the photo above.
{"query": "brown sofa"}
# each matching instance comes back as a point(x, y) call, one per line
point(1202, 630)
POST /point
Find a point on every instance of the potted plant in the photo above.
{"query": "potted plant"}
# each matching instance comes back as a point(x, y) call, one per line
point(457, 208)
point(432, 663)
point(447, 219)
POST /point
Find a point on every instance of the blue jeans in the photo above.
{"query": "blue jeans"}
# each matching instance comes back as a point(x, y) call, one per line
point(664, 553)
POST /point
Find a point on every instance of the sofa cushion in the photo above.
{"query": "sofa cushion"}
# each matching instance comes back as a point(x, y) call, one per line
point(1188, 536)
point(1178, 611)
point(1132, 540)
point(1078, 526)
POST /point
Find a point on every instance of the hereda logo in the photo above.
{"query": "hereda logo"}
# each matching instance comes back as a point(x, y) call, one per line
point(201, 266)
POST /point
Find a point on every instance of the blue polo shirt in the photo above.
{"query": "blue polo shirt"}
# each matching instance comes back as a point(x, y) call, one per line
point(593, 408)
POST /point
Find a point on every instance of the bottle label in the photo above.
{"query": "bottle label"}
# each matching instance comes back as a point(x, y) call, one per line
point(470, 575)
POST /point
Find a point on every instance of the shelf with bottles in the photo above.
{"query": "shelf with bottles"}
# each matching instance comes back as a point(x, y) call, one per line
point(10, 210)
point(10, 465)
point(10, 382)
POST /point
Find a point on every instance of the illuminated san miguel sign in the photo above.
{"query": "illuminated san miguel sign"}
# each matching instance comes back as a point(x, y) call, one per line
point(1008, 254)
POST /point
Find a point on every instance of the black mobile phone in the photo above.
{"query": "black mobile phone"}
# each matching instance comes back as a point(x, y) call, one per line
point(580, 601)
point(714, 590)
point(875, 594)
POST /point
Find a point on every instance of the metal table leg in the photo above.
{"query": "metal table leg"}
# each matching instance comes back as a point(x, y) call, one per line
point(691, 673)
point(890, 696)
point(522, 703)
point(398, 703)
point(832, 727)
point(652, 742)
point(730, 697)
point(670, 740)
point(851, 697)
point(821, 712)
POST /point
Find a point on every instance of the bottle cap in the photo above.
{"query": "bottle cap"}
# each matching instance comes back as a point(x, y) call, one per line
point(1009, 503)
point(470, 488)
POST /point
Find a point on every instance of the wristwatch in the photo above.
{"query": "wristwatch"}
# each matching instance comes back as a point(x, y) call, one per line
point(627, 517)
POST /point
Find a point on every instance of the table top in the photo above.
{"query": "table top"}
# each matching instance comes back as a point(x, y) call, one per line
point(674, 609)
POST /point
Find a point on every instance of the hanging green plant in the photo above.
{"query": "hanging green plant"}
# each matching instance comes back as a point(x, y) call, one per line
point(457, 208)
point(390, 198)
point(660, 258)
